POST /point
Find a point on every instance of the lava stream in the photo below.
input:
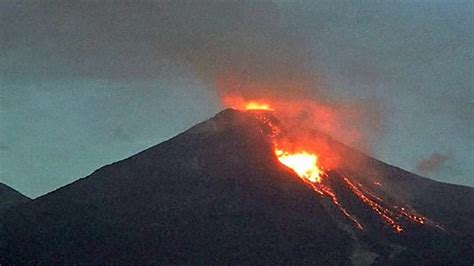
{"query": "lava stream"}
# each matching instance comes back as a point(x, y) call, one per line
point(304, 162)
point(382, 212)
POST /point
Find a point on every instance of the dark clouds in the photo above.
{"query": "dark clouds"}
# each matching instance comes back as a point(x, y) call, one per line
point(128, 74)
point(132, 40)
point(255, 43)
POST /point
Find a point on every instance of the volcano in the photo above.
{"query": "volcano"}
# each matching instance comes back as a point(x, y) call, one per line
point(227, 191)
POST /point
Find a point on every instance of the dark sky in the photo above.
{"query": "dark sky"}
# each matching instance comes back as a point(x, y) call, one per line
point(87, 83)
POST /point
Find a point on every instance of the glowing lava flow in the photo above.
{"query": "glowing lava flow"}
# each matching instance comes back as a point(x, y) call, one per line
point(258, 106)
point(242, 104)
point(306, 165)
point(381, 211)
point(303, 163)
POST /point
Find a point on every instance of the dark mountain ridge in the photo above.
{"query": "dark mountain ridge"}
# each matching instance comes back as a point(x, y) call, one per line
point(10, 197)
point(217, 194)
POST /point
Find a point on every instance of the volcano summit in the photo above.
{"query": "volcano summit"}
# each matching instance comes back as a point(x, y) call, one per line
point(237, 189)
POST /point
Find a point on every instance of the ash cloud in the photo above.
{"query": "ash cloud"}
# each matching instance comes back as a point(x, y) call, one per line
point(253, 49)
point(433, 164)
point(137, 39)
point(376, 64)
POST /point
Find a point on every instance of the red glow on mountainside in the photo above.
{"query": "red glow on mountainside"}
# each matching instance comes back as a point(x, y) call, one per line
point(303, 163)
point(241, 104)
point(311, 158)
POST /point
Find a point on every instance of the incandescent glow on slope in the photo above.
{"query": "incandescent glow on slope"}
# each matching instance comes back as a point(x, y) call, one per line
point(258, 106)
point(303, 163)
point(310, 160)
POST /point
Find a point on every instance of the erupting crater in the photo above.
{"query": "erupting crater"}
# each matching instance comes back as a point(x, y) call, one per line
point(305, 162)
point(258, 106)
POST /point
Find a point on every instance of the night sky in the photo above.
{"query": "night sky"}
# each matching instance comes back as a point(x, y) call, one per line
point(87, 83)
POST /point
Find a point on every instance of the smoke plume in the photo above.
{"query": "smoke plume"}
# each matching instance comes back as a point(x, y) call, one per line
point(433, 164)
point(249, 49)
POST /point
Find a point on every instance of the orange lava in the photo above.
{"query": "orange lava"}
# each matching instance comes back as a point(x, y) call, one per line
point(258, 106)
point(384, 213)
point(305, 164)
point(302, 154)
point(242, 104)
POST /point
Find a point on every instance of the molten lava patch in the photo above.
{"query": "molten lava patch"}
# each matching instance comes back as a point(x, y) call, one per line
point(242, 104)
point(258, 106)
point(303, 163)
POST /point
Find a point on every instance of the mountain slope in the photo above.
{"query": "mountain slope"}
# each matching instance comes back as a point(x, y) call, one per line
point(10, 197)
point(217, 194)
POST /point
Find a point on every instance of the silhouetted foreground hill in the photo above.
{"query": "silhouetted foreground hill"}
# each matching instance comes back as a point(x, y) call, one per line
point(10, 197)
point(217, 194)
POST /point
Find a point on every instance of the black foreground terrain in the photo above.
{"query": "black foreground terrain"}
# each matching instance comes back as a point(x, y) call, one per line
point(217, 194)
